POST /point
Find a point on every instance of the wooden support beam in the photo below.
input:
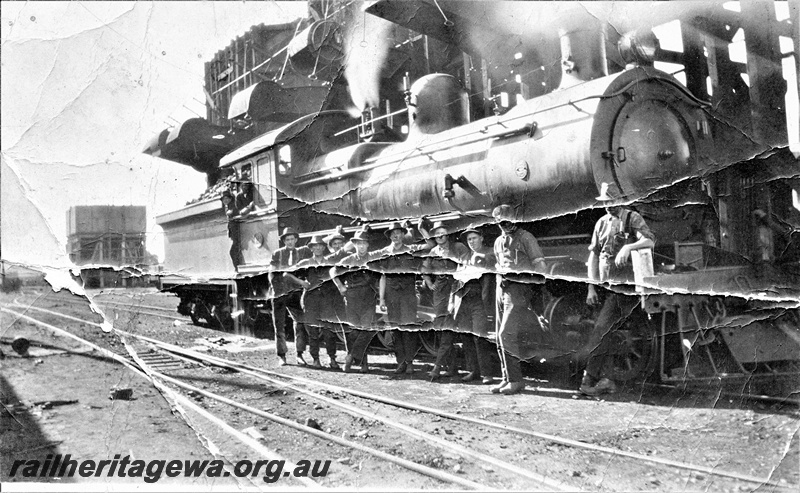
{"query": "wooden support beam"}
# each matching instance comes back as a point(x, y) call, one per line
point(487, 88)
point(694, 60)
point(764, 70)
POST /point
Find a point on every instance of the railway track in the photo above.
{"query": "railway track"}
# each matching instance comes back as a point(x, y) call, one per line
point(137, 309)
point(168, 313)
point(132, 307)
point(161, 356)
point(428, 339)
point(152, 363)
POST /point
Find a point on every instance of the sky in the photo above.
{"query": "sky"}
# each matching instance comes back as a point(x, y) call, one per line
point(84, 86)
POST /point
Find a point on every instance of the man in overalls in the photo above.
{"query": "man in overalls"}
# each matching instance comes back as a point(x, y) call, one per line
point(615, 236)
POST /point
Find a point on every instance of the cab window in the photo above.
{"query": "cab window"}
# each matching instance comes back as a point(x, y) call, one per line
point(264, 184)
point(285, 160)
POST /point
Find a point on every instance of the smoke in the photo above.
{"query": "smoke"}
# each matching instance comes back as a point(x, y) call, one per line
point(367, 44)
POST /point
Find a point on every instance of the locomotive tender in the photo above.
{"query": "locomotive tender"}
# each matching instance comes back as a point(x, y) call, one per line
point(723, 300)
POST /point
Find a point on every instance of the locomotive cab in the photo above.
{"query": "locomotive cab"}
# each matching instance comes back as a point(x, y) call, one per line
point(275, 160)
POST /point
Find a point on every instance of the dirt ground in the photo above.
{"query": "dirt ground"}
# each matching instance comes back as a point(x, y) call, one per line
point(711, 427)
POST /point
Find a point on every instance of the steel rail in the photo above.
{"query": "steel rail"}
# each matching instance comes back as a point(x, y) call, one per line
point(184, 401)
point(134, 309)
point(133, 305)
point(410, 465)
point(27, 307)
point(178, 399)
point(521, 431)
point(140, 371)
point(413, 466)
point(551, 485)
point(162, 315)
point(553, 438)
point(749, 397)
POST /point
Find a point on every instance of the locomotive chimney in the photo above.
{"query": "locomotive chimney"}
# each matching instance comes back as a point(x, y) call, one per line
point(436, 103)
point(583, 54)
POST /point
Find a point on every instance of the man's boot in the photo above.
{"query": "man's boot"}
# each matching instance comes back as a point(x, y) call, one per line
point(497, 388)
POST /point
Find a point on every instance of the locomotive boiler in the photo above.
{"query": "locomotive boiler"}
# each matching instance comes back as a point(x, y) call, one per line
point(638, 131)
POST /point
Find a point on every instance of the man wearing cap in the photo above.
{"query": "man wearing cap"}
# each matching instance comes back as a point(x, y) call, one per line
point(357, 285)
point(473, 301)
point(441, 261)
point(517, 251)
point(398, 294)
point(615, 236)
point(312, 275)
point(245, 199)
point(229, 207)
point(285, 294)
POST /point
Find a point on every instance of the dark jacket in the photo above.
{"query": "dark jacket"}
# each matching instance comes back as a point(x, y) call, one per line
point(484, 286)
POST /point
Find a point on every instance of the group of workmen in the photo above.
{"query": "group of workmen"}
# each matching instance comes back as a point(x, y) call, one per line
point(333, 282)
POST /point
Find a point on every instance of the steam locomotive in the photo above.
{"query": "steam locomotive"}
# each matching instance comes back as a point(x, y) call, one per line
point(722, 300)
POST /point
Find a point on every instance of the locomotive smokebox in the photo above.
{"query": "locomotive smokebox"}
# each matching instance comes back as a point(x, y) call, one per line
point(437, 103)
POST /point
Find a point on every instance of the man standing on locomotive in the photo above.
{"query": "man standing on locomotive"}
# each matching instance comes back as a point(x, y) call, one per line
point(441, 260)
point(398, 294)
point(472, 303)
point(316, 307)
point(229, 207)
point(245, 199)
point(357, 285)
point(615, 236)
point(517, 253)
point(286, 295)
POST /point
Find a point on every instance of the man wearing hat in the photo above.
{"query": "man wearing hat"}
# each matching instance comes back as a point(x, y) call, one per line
point(473, 301)
point(517, 251)
point(442, 260)
point(312, 274)
point(615, 236)
point(229, 207)
point(286, 294)
point(398, 293)
point(337, 310)
point(336, 242)
point(357, 285)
